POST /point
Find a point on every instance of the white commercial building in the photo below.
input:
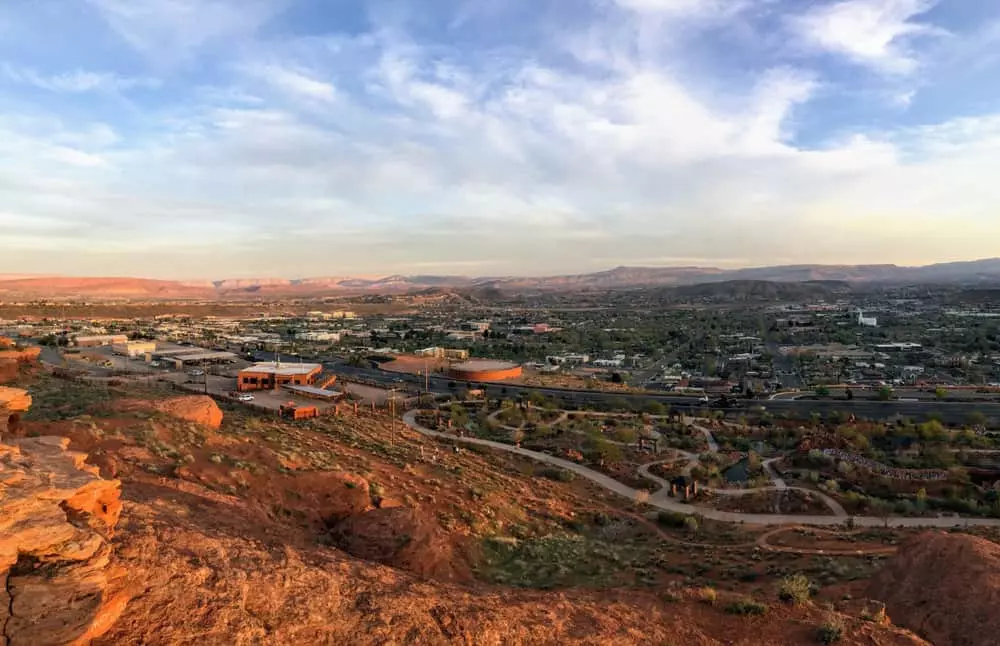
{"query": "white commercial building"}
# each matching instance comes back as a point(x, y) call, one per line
point(134, 349)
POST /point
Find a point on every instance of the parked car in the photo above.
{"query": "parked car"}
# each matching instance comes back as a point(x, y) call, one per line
point(244, 397)
point(196, 373)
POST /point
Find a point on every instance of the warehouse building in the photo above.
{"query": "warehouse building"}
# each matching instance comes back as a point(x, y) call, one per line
point(133, 349)
point(99, 340)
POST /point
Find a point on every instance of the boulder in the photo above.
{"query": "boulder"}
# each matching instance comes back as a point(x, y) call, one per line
point(200, 409)
point(57, 516)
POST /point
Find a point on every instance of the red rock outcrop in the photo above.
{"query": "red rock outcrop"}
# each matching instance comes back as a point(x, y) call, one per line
point(200, 409)
point(11, 361)
point(945, 587)
point(56, 519)
point(13, 402)
point(24, 355)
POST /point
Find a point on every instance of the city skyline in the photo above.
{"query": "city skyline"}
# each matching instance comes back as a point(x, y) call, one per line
point(189, 139)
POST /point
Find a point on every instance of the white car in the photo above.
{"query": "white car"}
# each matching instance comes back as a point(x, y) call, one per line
point(244, 397)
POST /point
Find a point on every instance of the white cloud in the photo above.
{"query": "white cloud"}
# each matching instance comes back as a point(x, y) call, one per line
point(382, 151)
point(171, 30)
point(296, 82)
point(77, 81)
point(683, 7)
point(874, 33)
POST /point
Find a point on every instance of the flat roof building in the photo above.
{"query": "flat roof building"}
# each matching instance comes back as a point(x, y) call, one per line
point(270, 375)
point(99, 340)
point(134, 348)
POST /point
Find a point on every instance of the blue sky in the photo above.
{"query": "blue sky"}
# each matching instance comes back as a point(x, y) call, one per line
point(223, 138)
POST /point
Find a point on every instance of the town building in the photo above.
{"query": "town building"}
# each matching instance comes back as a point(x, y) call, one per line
point(485, 370)
point(319, 336)
point(99, 340)
point(271, 375)
point(866, 321)
point(134, 349)
point(453, 354)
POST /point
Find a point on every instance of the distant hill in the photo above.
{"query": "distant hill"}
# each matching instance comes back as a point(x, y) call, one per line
point(978, 273)
point(760, 290)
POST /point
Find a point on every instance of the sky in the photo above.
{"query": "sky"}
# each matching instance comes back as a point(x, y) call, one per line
point(245, 138)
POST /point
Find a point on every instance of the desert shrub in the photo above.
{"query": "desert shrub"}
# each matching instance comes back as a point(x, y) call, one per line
point(795, 589)
point(670, 518)
point(747, 608)
point(554, 473)
point(707, 595)
point(831, 630)
point(691, 524)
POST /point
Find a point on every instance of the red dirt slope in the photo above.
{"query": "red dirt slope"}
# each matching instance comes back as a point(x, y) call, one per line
point(945, 587)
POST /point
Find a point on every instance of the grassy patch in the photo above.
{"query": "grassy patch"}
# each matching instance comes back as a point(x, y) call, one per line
point(747, 608)
point(557, 560)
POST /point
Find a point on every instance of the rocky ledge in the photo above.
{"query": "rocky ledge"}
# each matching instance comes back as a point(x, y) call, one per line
point(57, 516)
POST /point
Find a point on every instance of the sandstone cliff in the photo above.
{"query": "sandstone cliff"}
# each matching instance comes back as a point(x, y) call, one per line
point(56, 520)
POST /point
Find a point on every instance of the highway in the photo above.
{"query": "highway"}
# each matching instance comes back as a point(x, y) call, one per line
point(948, 412)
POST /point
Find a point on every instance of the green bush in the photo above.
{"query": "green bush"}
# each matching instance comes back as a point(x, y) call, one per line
point(830, 631)
point(708, 595)
point(671, 519)
point(795, 589)
point(747, 608)
point(559, 475)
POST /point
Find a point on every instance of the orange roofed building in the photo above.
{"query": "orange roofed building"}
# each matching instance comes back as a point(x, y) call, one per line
point(269, 375)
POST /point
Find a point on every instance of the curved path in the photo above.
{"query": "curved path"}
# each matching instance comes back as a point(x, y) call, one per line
point(725, 516)
point(835, 507)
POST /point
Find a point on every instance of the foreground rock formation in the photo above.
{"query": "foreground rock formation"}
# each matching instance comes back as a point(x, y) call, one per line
point(11, 361)
point(13, 402)
point(56, 520)
point(945, 587)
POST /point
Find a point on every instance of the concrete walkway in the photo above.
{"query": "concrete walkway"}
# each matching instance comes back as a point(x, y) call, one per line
point(773, 475)
point(662, 493)
point(713, 446)
point(668, 504)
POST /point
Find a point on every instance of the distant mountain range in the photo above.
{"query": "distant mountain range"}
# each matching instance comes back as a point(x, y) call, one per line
point(977, 272)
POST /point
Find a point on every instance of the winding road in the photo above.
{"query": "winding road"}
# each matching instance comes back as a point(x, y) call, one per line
point(661, 501)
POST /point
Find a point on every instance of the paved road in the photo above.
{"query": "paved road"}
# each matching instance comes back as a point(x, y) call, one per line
point(949, 412)
point(668, 504)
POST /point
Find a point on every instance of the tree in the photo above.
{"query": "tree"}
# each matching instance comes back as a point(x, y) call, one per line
point(616, 378)
point(604, 451)
point(849, 394)
point(822, 391)
point(940, 392)
point(977, 418)
point(654, 407)
point(885, 393)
